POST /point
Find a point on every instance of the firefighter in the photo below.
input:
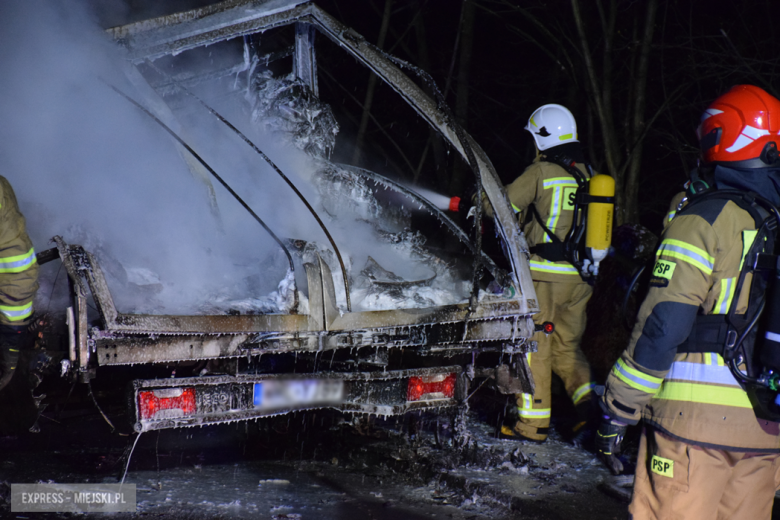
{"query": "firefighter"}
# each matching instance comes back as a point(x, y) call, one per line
point(18, 281)
point(547, 191)
point(703, 452)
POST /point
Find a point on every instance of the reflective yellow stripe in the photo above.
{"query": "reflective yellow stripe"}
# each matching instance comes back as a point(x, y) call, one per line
point(582, 392)
point(727, 288)
point(18, 263)
point(556, 205)
point(527, 409)
point(748, 237)
point(705, 394)
point(17, 312)
point(709, 358)
point(693, 255)
point(515, 208)
point(555, 212)
point(565, 136)
point(670, 215)
point(541, 413)
point(636, 379)
point(551, 267)
point(559, 181)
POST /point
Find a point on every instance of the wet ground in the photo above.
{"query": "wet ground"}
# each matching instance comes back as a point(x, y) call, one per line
point(317, 466)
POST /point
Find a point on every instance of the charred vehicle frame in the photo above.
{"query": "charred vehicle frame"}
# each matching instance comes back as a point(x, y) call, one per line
point(380, 362)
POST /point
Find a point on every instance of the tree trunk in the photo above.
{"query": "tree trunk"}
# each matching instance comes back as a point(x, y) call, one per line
point(361, 135)
point(601, 102)
point(434, 139)
point(638, 123)
point(460, 168)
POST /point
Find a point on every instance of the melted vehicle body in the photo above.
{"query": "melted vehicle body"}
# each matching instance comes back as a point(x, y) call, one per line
point(334, 354)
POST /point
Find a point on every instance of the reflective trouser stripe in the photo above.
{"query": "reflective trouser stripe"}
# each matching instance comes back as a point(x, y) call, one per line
point(18, 263)
point(636, 379)
point(17, 312)
point(527, 409)
point(582, 391)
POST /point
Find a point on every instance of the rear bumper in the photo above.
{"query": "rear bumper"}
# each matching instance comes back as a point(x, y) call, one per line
point(200, 401)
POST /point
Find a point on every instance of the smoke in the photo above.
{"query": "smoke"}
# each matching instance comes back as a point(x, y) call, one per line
point(89, 166)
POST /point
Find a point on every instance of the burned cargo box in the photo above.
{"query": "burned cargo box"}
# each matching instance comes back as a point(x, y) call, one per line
point(369, 313)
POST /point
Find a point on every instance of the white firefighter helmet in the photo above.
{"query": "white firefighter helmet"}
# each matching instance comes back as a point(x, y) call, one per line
point(552, 125)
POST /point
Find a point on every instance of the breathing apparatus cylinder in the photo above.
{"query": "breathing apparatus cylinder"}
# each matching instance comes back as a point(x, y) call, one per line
point(598, 231)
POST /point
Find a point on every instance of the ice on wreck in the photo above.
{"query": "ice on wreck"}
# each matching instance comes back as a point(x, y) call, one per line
point(288, 107)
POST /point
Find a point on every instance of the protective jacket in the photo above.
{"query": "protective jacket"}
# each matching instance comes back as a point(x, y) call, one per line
point(551, 189)
point(673, 205)
point(18, 268)
point(692, 396)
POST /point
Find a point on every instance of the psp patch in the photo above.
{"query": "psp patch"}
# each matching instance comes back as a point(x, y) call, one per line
point(662, 273)
point(664, 269)
point(662, 466)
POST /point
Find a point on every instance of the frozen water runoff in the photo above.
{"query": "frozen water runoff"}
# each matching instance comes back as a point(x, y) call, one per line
point(89, 166)
point(333, 472)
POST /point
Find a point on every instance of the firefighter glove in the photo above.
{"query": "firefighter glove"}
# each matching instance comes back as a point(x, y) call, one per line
point(608, 439)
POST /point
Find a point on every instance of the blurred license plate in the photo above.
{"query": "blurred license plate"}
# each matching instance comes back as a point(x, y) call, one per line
point(275, 393)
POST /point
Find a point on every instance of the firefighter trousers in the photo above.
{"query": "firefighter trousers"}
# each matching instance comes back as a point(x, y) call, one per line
point(677, 480)
point(562, 303)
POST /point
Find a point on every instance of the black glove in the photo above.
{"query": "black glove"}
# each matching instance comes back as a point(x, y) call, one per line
point(608, 438)
point(10, 341)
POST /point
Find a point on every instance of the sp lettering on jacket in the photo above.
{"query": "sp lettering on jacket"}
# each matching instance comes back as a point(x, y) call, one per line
point(662, 273)
point(662, 466)
point(569, 196)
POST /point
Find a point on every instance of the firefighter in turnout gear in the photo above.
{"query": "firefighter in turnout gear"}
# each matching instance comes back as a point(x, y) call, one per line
point(704, 452)
point(18, 281)
point(547, 190)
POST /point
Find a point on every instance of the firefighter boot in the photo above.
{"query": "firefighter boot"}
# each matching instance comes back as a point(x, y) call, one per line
point(588, 419)
point(10, 341)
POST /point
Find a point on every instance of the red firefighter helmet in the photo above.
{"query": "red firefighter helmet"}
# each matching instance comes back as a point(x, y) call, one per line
point(741, 126)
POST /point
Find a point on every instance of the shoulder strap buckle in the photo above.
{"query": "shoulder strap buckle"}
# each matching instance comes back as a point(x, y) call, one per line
point(731, 339)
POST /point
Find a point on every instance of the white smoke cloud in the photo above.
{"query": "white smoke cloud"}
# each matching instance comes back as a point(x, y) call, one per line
point(89, 166)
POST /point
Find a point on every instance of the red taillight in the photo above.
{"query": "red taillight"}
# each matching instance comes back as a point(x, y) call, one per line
point(181, 402)
point(431, 387)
